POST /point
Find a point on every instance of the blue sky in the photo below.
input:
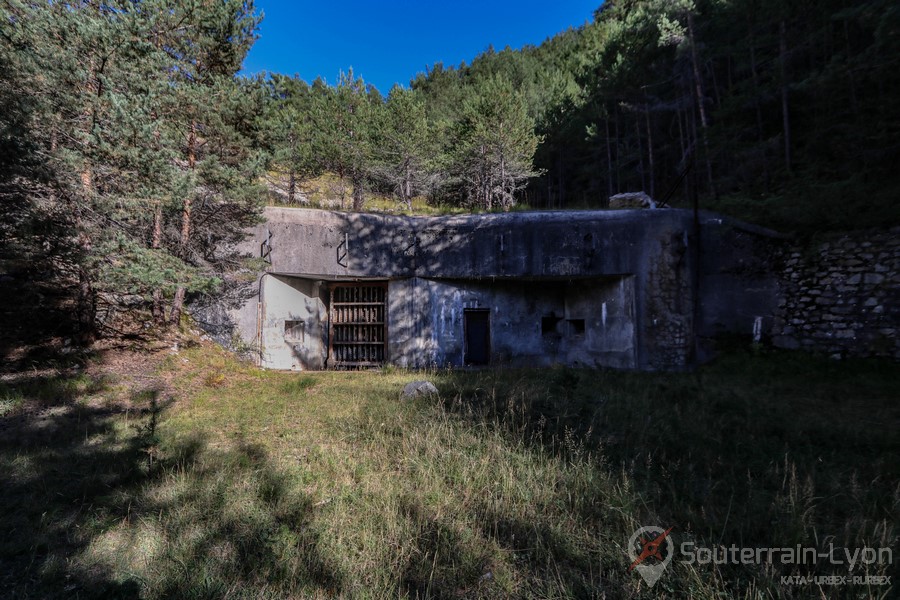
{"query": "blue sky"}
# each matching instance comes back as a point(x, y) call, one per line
point(390, 41)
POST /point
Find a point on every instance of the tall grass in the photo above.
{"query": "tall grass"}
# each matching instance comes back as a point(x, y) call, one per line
point(522, 484)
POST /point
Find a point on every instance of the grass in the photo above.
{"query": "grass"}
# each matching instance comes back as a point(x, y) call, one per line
point(324, 192)
point(523, 484)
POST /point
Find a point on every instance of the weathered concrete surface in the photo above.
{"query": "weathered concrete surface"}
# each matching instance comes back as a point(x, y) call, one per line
point(429, 315)
point(300, 301)
point(539, 244)
point(738, 281)
point(625, 286)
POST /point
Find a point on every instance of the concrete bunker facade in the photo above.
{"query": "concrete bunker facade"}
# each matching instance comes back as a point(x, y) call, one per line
point(586, 288)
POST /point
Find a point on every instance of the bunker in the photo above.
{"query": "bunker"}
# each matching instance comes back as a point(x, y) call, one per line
point(629, 289)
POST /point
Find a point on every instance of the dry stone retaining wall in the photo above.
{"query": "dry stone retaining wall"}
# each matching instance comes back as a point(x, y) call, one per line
point(842, 296)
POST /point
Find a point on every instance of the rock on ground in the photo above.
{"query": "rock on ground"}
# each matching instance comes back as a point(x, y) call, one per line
point(414, 389)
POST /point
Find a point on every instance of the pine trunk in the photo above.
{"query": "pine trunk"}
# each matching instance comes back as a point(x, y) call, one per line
point(650, 153)
point(637, 135)
point(292, 174)
point(178, 301)
point(407, 186)
point(609, 163)
point(359, 198)
point(617, 138)
point(505, 196)
point(701, 105)
point(87, 308)
point(342, 187)
point(561, 179)
point(785, 113)
point(86, 301)
point(177, 306)
point(684, 152)
point(292, 186)
point(157, 310)
point(760, 135)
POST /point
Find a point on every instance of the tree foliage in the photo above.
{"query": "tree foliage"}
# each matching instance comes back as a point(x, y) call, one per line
point(406, 145)
point(492, 145)
point(137, 153)
point(131, 155)
point(785, 108)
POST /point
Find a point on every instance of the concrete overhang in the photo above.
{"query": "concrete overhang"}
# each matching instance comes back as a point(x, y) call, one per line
point(552, 245)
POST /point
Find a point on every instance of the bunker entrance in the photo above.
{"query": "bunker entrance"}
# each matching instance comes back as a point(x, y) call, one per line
point(357, 317)
point(477, 323)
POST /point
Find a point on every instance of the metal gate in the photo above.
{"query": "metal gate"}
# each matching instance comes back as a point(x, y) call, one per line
point(358, 325)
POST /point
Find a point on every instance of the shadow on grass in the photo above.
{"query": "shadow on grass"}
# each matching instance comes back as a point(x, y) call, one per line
point(36, 324)
point(450, 563)
point(439, 566)
point(60, 467)
point(754, 450)
point(94, 505)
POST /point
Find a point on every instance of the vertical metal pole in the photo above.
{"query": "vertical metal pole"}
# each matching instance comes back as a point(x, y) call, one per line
point(695, 314)
point(328, 358)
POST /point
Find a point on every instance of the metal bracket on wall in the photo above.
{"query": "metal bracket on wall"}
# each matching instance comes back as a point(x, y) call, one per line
point(343, 251)
point(265, 248)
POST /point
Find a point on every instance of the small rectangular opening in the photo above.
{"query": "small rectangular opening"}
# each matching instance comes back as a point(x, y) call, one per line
point(576, 326)
point(549, 325)
point(293, 331)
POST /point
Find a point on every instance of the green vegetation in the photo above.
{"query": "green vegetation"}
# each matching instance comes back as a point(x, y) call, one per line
point(782, 113)
point(511, 484)
point(132, 156)
point(478, 158)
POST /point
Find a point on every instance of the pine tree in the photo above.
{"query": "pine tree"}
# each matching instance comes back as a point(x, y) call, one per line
point(290, 132)
point(345, 120)
point(404, 144)
point(493, 145)
point(215, 127)
point(105, 92)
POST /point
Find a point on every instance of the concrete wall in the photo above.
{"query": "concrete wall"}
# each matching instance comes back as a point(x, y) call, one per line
point(426, 321)
point(632, 279)
point(738, 284)
point(664, 293)
point(300, 300)
point(543, 244)
point(650, 246)
point(667, 293)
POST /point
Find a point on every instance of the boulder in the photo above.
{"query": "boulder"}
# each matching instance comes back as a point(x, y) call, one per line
point(631, 200)
point(415, 389)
